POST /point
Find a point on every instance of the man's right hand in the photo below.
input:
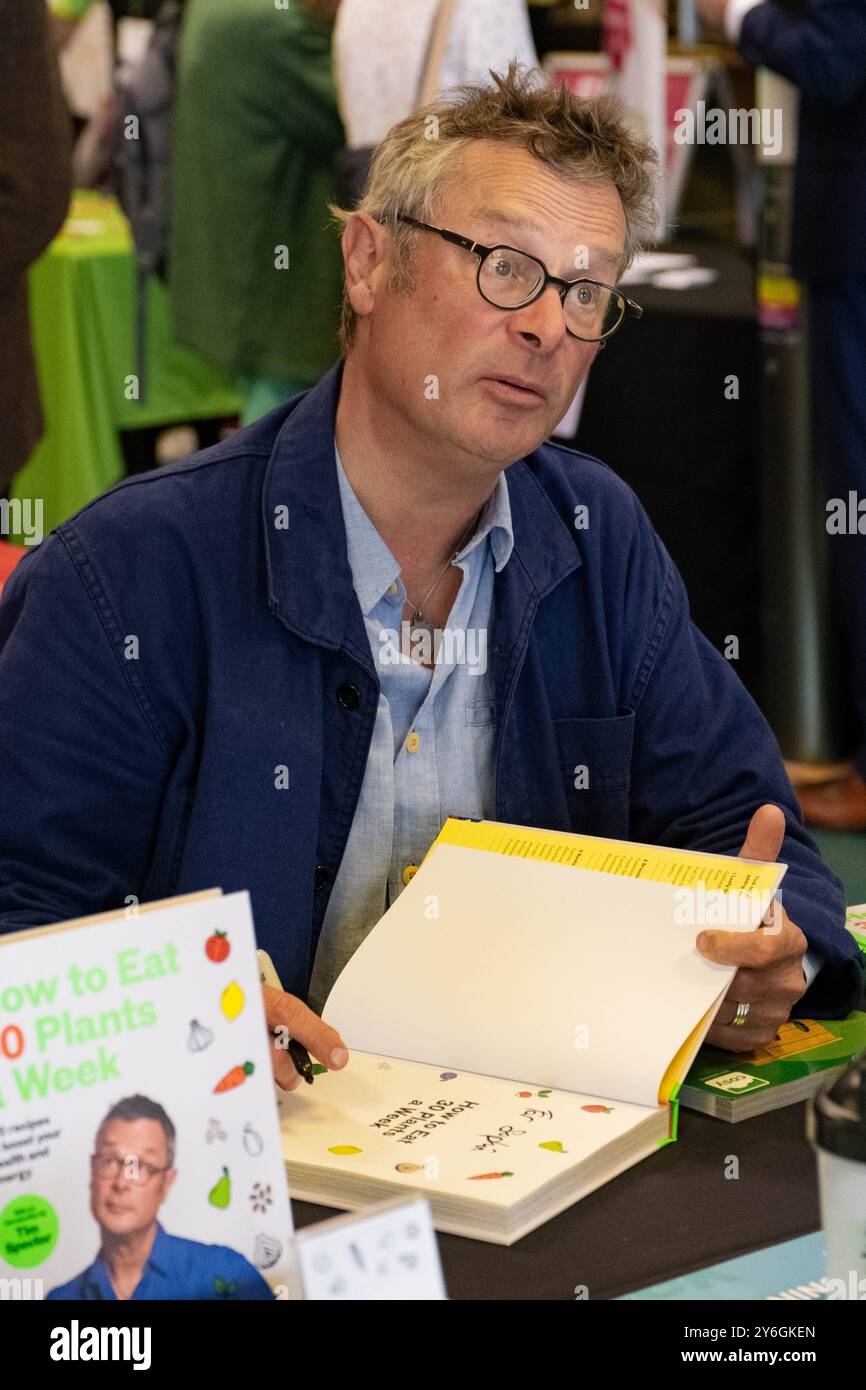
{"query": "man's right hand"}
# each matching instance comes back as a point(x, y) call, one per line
point(291, 1017)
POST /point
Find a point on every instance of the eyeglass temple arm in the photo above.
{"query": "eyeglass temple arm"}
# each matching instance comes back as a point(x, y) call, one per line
point(454, 237)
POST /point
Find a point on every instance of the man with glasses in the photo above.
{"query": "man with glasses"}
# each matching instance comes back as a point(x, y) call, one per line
point(392, 601)
point(132, 1173)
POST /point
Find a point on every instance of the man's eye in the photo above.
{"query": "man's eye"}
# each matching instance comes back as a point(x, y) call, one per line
point(503, 268)
point(586, 294)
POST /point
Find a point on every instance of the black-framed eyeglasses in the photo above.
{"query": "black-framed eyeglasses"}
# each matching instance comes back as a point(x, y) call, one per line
point(135, 1170)
point(512, 279)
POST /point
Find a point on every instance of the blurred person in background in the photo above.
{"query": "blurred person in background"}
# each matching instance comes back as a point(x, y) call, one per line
point(380, 50)
point(255, 268)
point(35, 139)
point(96, 45)
point(821, 49)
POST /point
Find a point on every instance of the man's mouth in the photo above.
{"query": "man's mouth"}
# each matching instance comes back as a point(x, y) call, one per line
point(517, 389)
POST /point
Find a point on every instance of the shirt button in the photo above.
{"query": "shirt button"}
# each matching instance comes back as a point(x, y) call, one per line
point(409, 872)
point(413, 742)
point(349, 696)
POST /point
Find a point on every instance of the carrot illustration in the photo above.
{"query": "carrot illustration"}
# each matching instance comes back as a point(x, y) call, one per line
point(481, 1177)
point(234, 1077)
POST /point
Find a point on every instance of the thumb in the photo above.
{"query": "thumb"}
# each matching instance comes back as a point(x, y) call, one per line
point(765, 834)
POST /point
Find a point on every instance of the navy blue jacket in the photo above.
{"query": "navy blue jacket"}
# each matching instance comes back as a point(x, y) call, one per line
point(172, 647)
point(823, 52)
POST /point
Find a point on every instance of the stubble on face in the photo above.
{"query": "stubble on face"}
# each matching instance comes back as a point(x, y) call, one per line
point(448, 349)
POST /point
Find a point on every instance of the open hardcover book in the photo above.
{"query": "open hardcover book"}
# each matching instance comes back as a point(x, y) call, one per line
point(520, 1021)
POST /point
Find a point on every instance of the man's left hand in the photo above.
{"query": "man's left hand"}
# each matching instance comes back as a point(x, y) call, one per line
point(713, 11)
point(770, 975)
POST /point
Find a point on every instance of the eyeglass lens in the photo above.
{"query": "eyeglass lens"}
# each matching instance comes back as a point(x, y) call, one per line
point(509, 278)
point(134, 1170)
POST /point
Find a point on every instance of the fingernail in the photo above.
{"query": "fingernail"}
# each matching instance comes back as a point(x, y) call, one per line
point(338, 1058)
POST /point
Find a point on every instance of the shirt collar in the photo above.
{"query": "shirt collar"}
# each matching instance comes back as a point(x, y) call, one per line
point(374, 568)
point(97, 1275)
point(495, 522)
point(310, 588)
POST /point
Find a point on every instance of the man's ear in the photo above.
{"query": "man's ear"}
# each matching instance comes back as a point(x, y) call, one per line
point(366, 249)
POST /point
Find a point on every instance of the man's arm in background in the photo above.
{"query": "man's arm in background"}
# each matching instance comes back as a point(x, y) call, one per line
point(823, 52)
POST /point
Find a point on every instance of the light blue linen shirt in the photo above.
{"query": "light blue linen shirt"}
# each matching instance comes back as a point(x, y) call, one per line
point(448, 769)
point(447, 766)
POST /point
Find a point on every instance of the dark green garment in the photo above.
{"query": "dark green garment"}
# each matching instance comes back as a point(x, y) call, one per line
point(256, 131)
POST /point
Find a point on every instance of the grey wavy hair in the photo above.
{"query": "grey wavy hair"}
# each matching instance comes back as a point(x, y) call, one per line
point(587, 140)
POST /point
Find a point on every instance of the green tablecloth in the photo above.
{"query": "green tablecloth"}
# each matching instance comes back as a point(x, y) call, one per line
point(82, 303)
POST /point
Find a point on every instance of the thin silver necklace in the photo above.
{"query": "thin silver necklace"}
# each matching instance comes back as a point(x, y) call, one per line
point(418, 608)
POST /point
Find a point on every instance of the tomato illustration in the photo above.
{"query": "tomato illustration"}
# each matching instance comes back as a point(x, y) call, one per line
point(217, 947)
point(598, 1109)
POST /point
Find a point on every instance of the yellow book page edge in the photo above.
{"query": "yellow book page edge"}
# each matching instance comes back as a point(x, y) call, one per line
point(676, 1072)
point(654, 863)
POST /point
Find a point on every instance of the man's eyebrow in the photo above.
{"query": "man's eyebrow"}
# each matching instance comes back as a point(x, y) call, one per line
point(145, 1151)
point(508, 219)
point(596, 256)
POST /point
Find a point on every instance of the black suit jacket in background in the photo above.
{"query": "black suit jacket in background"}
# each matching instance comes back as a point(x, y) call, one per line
point(35, 139)
point(822, 50)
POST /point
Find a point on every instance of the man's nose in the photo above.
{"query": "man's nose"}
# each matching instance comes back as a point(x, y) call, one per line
point(543, 321)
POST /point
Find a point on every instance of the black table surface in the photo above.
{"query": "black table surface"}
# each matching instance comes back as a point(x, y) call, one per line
point(671, 1213)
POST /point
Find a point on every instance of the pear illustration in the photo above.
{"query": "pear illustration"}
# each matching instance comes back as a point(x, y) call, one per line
point(221, 1193)
point(554, 1145)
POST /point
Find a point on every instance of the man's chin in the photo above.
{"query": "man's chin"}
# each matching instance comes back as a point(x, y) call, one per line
point(504, 441)
point(119, 1223)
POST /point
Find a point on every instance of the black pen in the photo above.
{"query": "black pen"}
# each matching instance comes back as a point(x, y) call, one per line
point(301, 1058)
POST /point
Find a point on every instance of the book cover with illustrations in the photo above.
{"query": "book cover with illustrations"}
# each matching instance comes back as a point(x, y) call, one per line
point(139, 1144)
point(805, 1051)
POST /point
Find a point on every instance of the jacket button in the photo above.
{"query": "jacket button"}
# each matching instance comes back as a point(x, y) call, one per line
point(321, 877)
point(349, 696)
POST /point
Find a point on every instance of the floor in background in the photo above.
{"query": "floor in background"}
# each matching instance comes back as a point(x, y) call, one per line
point(846, 855)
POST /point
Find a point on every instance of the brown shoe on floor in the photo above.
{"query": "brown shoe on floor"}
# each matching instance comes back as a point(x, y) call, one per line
point(836, 805)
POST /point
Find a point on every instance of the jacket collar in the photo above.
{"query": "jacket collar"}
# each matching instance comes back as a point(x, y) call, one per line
point(310, 586)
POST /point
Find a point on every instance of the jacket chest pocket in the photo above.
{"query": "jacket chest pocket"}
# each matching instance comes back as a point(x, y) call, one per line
point(595, 765)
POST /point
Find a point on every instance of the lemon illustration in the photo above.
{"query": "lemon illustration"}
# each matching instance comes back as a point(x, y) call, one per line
point(344, 1149)
point(232, 1000)
point(554, 1145)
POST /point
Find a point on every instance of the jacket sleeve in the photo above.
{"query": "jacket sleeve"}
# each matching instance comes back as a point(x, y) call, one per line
point(823, 52)
point(83, 758)
point(705, 759)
